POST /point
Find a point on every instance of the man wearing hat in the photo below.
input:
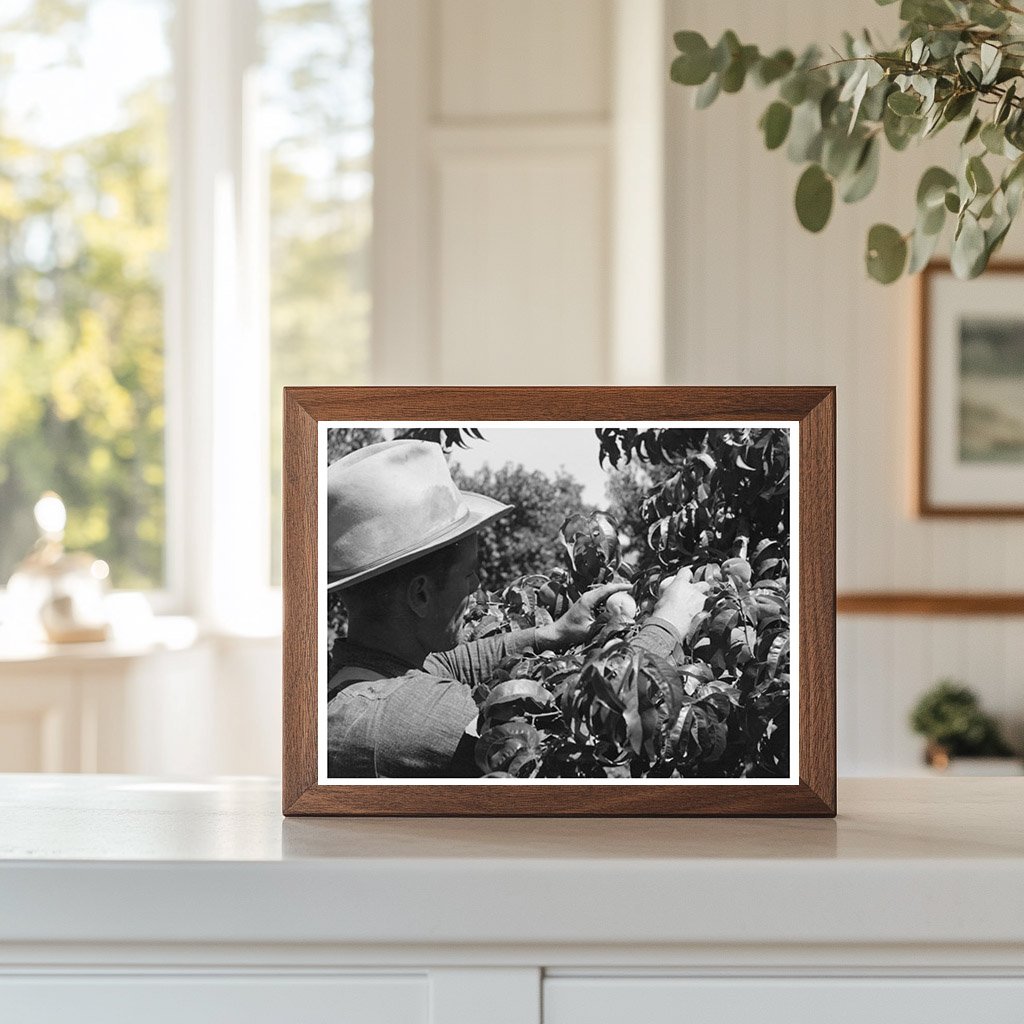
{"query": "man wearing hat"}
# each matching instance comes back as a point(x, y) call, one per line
point(402, 543)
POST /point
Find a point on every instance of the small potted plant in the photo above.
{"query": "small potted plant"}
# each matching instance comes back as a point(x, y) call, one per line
point(950, 717)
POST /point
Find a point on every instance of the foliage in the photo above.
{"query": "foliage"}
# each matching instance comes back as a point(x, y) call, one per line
point(957, 61)
point(950, 716)
point(527, 536)
point(718, 705)
point(82, 232)
point(316, 86)
point(447, 437)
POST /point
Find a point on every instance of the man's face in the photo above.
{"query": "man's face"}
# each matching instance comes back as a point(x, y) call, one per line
point(448, 608)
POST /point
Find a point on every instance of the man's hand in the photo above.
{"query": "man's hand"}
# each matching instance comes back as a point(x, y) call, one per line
point(580, 621)
point(681, 601)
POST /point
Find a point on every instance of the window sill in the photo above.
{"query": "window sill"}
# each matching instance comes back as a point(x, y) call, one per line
point(160, 633)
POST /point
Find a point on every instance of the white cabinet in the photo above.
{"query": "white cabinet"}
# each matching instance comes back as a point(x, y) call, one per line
point(828, 1000)
point(133, 898)
point(245, 999)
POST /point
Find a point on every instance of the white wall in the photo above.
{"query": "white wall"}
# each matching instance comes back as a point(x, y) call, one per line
point(500, 161)
point(513, 154)
point(752, 298)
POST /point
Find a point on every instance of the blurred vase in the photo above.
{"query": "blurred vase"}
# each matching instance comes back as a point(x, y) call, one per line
point(59, 595)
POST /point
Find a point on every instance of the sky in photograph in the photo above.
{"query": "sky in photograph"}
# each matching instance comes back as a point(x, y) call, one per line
point(548, 449)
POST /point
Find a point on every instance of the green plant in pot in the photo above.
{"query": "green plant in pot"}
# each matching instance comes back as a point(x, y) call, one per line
point(956, 62)
point(950, 717)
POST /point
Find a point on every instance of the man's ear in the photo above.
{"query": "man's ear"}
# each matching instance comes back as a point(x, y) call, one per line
point(418, 596)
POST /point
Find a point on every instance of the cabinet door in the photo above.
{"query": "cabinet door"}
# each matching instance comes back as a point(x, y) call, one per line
point(569, 1000)
point(205, 999)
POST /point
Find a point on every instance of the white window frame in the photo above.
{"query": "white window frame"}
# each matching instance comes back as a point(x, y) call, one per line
point(217, 349)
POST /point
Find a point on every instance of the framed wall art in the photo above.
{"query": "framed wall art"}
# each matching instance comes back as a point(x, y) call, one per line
point(970, 422)
point(559, 601)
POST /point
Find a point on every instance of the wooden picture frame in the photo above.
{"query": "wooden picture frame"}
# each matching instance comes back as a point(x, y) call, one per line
point(955, 473)
point(809, 791)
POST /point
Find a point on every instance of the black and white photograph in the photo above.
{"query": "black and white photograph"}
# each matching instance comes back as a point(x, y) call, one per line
point(528, 602)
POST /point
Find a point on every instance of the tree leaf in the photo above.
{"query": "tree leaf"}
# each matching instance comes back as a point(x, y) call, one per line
point(978, 176)
point(886, 254)
point(735, 74)
point(707, 93)
point(972, 132)
point(693, 65)
point(922, 248)
point(865, 174)
point(771, 69)
point(1005, 104)
point(968, 248)
point(839, 152)
point(993, 138)
point(904, 103)
point(814, 194)
point(982, 13)
point(775, 124)
point(931, 191)
point(805, 133)
point(991, 60)
point(725, 50)
point(794, 89)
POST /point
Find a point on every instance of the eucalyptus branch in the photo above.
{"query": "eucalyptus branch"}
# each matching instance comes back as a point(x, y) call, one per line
point(833, 117)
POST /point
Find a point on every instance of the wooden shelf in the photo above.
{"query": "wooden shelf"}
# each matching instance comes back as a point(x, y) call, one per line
point(928, 603)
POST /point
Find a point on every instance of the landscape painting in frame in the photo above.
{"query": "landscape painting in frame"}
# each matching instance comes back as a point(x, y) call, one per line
point(528, 603)
point(971, 451)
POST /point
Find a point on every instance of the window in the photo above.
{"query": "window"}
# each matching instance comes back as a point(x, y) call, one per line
point(185, 220)
point(317, 117)
point(83, 236)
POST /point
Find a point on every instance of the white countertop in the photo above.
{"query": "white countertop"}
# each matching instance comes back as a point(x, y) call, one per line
point(123, 859)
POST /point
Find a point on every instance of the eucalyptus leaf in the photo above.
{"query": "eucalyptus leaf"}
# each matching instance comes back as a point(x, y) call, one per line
point(968, 247)
point(931, 221)
point(691, 68)
point(1013, 187)
point(978, 176)
point(735, 74)
point(775, 124)
point(993, 138)
point(931, 191)
point(707, 93)
point(725, 51)
point(973, 130)
point(794, 88)
point(771, 69)
point(814, 195)
point(873, 106)
point(865, 173)
point(903, 103)
point(900, 130)
point(987, 15)
point(991, 60)
point(886, 254)
point(922, 247)
point(805, 133)
point(1005, 105)
point(958, 105)
point(840, 152)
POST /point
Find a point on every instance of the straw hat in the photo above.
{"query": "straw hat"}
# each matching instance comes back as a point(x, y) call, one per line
point(391, 503)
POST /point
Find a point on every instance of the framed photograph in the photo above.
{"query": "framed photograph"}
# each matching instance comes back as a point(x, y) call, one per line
point(970, 445)
point(559, 601)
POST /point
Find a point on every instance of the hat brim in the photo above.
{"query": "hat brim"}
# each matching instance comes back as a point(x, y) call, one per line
point(482, 511)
